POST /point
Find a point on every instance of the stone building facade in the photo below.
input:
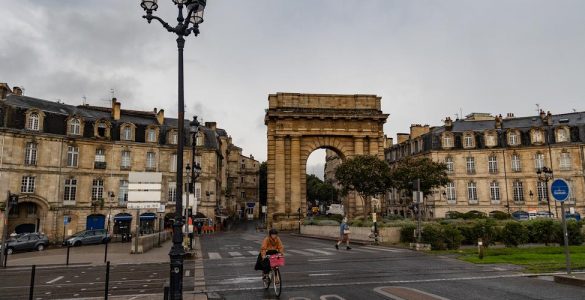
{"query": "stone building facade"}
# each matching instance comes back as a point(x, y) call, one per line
point(243, 180)
point(493, 162)
point(74, 161)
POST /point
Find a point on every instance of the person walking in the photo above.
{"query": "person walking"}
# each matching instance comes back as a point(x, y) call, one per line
point(343, 235)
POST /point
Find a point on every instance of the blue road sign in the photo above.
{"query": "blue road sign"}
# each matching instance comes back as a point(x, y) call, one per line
point(560, 190)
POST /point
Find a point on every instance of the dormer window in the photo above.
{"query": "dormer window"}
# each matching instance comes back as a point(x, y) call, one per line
point(563, 135)
point(491, 139)
point(173, 138)
point(537, 136)
point(75, 126)
point(34, 120)
point(200, 139)
point(447, 140)
point(513, 138)
point(127, 133)
point(151, 135)
point(469, 140)
point(102, 129)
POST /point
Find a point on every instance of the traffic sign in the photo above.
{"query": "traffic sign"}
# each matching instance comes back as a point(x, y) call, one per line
point(560, 190)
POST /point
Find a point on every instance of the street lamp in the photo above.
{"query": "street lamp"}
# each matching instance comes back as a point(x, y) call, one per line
point(111, 196)
point(544, 175)
point(184, 27)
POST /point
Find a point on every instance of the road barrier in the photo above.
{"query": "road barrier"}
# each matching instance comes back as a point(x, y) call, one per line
point(146, 242)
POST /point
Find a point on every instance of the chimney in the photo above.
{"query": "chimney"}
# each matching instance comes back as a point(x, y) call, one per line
point(17, 91)
point(4, 90)
point(160, 116)
point(115, 109)
point(403, 137)
point(499, 122)
point(251, 156)
point(417, 130)
point(211, 125)
point(542, 114)
point(448, 123)
point(549, 119)
point(389, 142)
point(509, 115)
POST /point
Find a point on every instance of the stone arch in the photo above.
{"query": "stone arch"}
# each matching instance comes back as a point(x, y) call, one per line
point(298, 124)
point(39, 219)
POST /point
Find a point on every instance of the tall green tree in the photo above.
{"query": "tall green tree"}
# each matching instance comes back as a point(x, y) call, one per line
point(432, 174)
point(365, 174)
point(319, 190)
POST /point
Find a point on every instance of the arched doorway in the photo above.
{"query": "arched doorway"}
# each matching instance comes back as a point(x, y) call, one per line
point(27, 216)
point(95, 221)
point(297, 125)
point(122, 223)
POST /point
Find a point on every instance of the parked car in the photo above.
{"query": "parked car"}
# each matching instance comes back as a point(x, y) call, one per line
point(520, 215)
point(575, 216)
point(27, 242)
point(544, 214)
point(86, 237)
point(335, 209)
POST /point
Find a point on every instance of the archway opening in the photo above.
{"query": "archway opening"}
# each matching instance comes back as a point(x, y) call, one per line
point(25, 217)
point(323, 193)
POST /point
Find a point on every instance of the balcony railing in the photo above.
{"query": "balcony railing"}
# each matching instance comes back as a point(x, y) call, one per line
point(99, 165)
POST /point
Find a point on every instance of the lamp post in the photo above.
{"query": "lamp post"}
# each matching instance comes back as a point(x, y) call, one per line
point(196, 170)
point(111, 196)
point(544, 175)
point(184, 27)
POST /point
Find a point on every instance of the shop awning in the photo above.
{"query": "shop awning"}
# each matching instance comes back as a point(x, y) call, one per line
point(149, 216)
point(123, 218)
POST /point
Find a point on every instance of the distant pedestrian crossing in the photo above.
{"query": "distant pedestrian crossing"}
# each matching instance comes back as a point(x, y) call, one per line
point(308, 252)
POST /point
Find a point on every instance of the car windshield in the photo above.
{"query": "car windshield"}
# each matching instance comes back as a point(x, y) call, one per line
point(78, 234)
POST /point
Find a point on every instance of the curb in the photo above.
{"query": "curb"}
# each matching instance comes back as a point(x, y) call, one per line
point(570, 280)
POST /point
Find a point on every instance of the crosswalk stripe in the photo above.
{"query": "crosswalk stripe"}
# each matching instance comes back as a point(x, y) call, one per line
point(382, 249)
point(301, 252)
point(320, 252)
point(235, 253)
point(255, 253)
point(214, 255)
point(361, 249)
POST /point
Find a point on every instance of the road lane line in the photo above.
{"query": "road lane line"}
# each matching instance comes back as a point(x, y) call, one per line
point(255, 253)
point(382, 249)
point(235, 253)
point(362, 250)
point(321, 274)
point(214, 255)
point(301, 252)
point(321, 252)
point(55, 280)
point(320, 259)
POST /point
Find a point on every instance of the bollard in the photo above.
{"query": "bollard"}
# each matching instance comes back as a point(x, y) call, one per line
point(166, 292)
point(107, 280)
point(68, 248)
point(32, 282)
point(480, 248)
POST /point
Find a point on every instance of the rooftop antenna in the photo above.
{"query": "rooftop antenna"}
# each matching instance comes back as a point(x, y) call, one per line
point(456, 116)
point(537, 108)
point(461, 112)
point(84, 101)
point(112, 92)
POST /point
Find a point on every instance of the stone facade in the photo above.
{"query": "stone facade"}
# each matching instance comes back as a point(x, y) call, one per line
point(243, 180)
point(493, 162)
point(298, 124)
point(67, 161)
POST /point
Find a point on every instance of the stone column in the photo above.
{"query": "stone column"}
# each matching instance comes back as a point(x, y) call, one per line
point(373, 146)
point(280, 177)
point(295, 176)
point(358, 146)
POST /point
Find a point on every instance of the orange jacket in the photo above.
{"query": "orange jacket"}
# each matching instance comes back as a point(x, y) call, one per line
point(271, 244)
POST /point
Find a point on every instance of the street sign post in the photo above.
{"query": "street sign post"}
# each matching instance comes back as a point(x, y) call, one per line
point(560, 191)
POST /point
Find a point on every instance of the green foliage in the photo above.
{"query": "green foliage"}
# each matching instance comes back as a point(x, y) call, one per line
point(573, 231)
point(470, 215)
point(319, 190)
point(365, 174)
point(431, 174)
point(433, 234)
point(500, 215)
point(486, 230)
point(453, 237)
point(542, 231)
point(407, 233)
point(514, 234)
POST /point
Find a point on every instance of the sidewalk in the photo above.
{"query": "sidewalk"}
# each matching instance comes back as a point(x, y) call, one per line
point(118, 253)
point(573, 279)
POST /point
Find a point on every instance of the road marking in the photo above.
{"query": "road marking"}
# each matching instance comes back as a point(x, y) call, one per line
point(235, 253)
point(55, 280)
point(327, 297)
point(301, 252)
point(321, 274)
point(320, 259)
point(401, 293)
point(382, 249)
point(362, 250)
point(321, 252)
point(214, 255)
point(187, 273)
point(255, 253)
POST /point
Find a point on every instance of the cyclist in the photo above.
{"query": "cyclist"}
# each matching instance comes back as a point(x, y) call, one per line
point(270, 246)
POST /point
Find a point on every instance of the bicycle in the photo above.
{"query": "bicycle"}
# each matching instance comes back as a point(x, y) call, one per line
point(276, 261)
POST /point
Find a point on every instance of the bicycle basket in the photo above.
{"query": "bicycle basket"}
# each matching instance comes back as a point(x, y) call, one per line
point(276, 261)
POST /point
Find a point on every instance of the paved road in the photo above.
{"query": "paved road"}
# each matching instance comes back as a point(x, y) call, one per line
point(315, 270)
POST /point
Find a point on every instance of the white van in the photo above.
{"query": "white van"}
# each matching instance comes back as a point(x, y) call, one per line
point(335, 209)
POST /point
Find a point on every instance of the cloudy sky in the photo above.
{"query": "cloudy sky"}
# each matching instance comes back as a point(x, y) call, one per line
point(426, 59)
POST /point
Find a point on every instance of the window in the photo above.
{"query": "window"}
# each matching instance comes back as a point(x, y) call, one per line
point(200, 139)
point(447, 141)
point(70, 190)
point(123, 192)
point(127, 133)
point(495, 191)
point(539, 161)
point(451, 193)
point(562, 135)
point(33, 121)
point(28, 184)
point(173, 166)
point(197, 190)
point(72, 156)
point(241, 179)
point(537, 137)
point(102, 129)
point(470, 165)
point(513, 138)
point(516, 165)
point(565, 163)
point(542, 191)
point(468, 141)
point(472, 191)
point(172, 194)
point(150, 160)
point(518, 191)
point(450, 164)
point(151, 135)
point(126, 162)
point(74, 126)
point(97, 189)
point(100, 159)
point(490, 140)
point(242, 195)
point(173, 138)
point(493, 164)
point(30, 155)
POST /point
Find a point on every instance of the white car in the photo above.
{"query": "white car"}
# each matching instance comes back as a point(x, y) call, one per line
point(335, 209)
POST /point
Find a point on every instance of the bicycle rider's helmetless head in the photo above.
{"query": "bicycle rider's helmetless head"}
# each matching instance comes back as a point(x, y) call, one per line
point(273, 233)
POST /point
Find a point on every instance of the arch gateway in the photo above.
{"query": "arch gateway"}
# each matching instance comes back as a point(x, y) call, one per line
point(299, 124)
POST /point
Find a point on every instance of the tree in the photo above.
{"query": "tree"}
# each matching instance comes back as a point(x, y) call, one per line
point(431, 174)
point(319, 190)
point(365, 174)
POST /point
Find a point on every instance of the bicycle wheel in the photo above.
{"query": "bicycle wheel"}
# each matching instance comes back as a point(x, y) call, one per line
point(266, 280)
point(277, 282)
